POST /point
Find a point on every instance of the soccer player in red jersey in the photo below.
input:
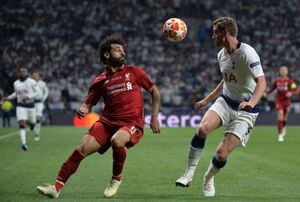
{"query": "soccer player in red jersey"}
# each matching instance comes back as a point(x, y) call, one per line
point(122, 122)
point(285, 87)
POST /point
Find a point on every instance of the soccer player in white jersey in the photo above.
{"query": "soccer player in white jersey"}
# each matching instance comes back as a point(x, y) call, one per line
point(39, 102)
point(25, 90)
point(236, 106)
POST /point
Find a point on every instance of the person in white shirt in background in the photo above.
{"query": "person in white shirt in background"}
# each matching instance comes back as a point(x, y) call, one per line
point(39, 102)
point(26, 91)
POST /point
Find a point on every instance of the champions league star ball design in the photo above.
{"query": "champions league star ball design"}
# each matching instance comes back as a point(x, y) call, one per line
point(174, 29)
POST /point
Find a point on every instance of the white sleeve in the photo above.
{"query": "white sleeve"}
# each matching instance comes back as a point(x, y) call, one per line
point(35, 90)
point(253, 63)
point(45, 93)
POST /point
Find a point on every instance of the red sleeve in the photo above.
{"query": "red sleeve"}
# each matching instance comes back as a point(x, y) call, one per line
point(273, 87)
point(94, 93)
point(142, 78)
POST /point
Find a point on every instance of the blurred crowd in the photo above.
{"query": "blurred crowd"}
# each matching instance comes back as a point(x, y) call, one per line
point(61, 39)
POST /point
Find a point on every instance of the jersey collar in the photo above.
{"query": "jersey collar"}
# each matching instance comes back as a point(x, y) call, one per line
point(238, 45)
point(120, 69)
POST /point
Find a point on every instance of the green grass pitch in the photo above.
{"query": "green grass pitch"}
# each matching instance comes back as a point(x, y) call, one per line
point(265, 170)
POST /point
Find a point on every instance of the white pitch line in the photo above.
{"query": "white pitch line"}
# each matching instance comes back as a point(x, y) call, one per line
point(9, 135)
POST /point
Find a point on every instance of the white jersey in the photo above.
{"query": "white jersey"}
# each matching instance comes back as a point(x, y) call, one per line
point(43, 91)
point(28, 88)
point(239, 71)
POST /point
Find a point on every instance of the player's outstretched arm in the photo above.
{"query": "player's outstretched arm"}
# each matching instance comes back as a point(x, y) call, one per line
point(83, 110)
point(212, 96)
point(4, 99)
point(11, 96)
point(46, 93)
point(271, 89)
point(155, 95)
point(258, 93)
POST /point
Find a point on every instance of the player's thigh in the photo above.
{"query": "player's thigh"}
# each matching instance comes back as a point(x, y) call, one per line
point(286, 111)
point(227, 145)
point(280, 113)
point(217, 115)
point(120, 138)
point(210, 121)
point(39, 107)
point(128, 136)
point(88, 145)
point(22, 114)
point(242, 126)
point(103, 134)
point(31, 115)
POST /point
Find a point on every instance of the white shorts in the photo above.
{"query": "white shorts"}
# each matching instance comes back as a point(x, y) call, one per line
point(239, 123)
point(39, 107)
point(28, 114)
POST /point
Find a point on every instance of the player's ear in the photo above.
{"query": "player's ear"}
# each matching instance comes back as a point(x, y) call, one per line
point(226, 32)
point(106, 54)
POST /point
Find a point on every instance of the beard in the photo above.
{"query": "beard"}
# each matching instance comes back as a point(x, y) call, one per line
point(217, 43)
point(115, 62)
point(23, 78)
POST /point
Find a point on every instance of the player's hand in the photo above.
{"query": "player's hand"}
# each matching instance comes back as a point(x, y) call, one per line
point(201, 104)
point(154, 124)
point(25, 98)
point(82, 111)
point(265, 95)
point(246, 105)
point(288, 94)
point(4, 99)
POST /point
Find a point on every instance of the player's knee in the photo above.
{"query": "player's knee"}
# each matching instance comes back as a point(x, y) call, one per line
point(221, 154)
point(22, 126)
point(83, 150)
point(31, 126)
point(22, 122)
point(117, 142)
point(203, 130)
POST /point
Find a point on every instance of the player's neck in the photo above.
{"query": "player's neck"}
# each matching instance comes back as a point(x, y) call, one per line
point(283, 77)
point(111, 69)
point(231, 44)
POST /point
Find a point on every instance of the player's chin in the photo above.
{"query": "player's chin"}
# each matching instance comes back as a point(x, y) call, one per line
point(122, 60)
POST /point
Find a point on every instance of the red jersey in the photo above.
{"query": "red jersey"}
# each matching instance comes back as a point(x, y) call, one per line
point(122, 95)
point(283, 86)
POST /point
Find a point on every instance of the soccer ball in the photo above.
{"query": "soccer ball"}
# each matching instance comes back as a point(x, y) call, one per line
point(293, 86)
point(174, 29)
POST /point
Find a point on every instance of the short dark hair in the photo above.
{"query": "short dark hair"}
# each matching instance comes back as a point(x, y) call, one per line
point(36, 71)
point(105, 45)
point(227, 23)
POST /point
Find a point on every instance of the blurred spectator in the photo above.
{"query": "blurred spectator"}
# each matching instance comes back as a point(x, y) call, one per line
point(6, 109)
point(60, 37)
